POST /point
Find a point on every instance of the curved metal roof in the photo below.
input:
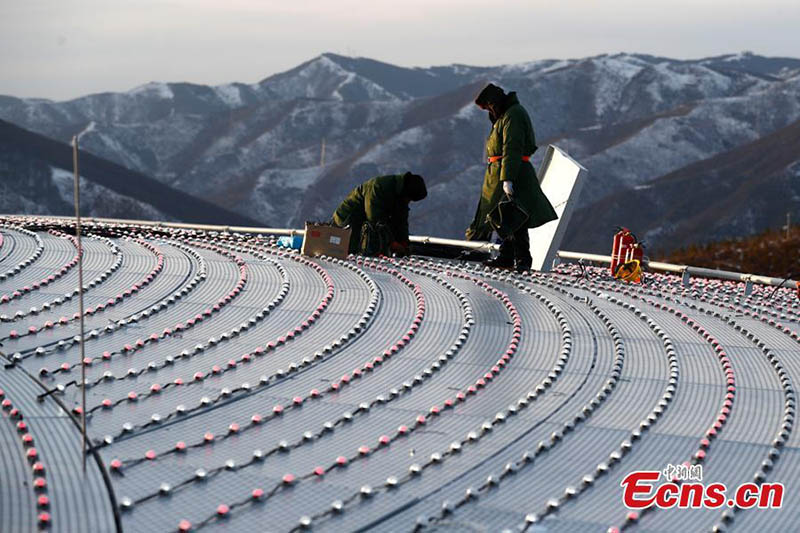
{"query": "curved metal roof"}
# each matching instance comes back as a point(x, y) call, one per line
point(235, 386)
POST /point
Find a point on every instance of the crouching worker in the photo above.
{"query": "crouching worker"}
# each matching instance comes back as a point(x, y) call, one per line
point(377, 213)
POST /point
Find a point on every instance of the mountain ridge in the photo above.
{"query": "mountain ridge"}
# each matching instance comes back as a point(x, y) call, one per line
point(33, 149)
point(257, 148)
point(721, 193)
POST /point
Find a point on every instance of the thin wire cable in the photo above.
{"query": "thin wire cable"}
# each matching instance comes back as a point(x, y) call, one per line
point(80, 291)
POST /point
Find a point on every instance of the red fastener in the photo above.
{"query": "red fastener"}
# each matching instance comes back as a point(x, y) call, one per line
point(700, 455)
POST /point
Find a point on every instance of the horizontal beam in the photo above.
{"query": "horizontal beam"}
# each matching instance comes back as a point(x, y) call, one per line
point(681, 269)
point(421, 239)
point(475, 245)
point(176, 225)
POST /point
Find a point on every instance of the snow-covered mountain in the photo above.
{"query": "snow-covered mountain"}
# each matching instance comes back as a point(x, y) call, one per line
point(754, 185)
point(285, 149)
point(36, 177)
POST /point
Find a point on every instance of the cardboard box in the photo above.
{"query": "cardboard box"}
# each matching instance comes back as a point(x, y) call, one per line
point(326, 239)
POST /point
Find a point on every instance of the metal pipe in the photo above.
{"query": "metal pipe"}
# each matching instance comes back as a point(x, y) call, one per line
point(586, 257)
point(77, 198)
point(693, 271)
point(667, 267)
point(475, 245)
point(203, 227)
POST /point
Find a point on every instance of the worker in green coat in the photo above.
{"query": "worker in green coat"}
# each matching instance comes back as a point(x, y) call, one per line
point(509, 173)
point(377, 213)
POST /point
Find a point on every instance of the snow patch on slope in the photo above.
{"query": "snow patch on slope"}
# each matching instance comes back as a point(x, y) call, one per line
point(405, 143)
point(230, 94)
point(159, 89)
point(611, 77)
point(99, 201)
point(325, 78)
point(540, 66)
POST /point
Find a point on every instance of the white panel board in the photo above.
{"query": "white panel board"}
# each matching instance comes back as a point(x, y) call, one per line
point(561, 179)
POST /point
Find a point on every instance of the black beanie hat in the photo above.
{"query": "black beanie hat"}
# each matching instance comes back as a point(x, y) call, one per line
point(414, 187)
point(489, 95)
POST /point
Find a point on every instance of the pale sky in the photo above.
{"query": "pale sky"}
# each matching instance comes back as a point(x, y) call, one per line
point(62, 49)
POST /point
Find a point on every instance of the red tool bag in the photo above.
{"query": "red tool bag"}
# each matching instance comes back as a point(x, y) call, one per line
point(625, 248)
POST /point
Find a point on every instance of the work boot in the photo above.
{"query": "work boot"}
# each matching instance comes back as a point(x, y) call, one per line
point(522, 265)
point(499, 262)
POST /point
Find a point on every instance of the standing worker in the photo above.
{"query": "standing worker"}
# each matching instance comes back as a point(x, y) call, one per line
point(377, 213)
point(509, 173)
